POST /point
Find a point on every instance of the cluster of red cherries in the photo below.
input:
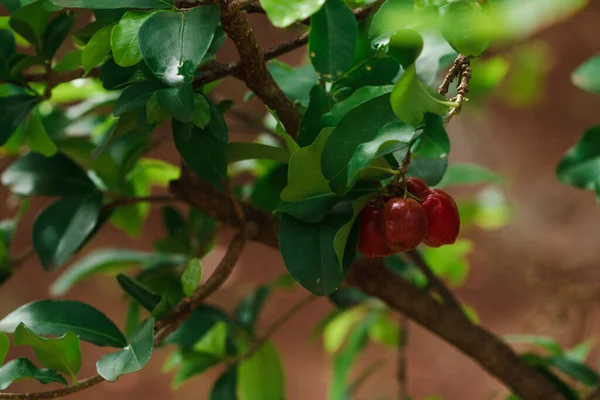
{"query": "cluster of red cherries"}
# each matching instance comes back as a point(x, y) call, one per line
point(397, 223)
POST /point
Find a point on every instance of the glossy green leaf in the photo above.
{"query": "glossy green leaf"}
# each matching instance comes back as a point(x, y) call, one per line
point(30, 21)
point(267, 189)
point(191, 277)
point(133, 318)
point(576, 370)
point(296, 83)
point(311, 209)
point(56, 33)
point(191, 364)
point(248, 310)
point(60, 230)
point(139, 292)
point(580, 352)
point(580, 166)
point(333, 33)
point(429, 169)
point(112, 4)
point(134, 97)
point(132, 358)
point(586, 75)
point(359, 97)
point(96, 50)
point(304, 174)
point(261, 376)
point(450, 261)
point(308, 250)
point(4, 346)
point(311, 125)
point(411, 99)
point(405, 47)
point(360, 125)
point(240, 151)
point(58, 317)
point(280, 131)
point(173, 44)
point(214, 342)
point(178, 101)
point(13, 110)
point(36, 136)
point(154, 112)
point(62, 354)
point(201, 111)
point(337, 329)
point(466, 27)
point(202, 320)
point(433, 142)
point(469, 174)
point(205, 152)
point(22, 368)
point(225, 388)
point(392, 16)
point(347, 297)
point(283, 13)
point(124, 38)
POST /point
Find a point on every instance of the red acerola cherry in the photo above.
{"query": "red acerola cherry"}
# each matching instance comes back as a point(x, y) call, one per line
point(442, 217)
point(416, 186)
point(404, 224)
point(371, 243)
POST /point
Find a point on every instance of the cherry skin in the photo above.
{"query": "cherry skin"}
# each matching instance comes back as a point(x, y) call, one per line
point(371, 243)
point(442, 216)
point(404, 224)
point(416, 186)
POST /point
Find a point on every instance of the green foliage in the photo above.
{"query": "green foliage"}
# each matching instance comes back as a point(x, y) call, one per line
point(191, 277)
point(61, 354)
point(59, 317)
point(22, 368)
point(579, 166)
point(112, 4)
point(586, 75)
point(124, 38)
point(283, 13)
point(465, 27)
point(133, 357)
point(261, 376)
point(4, 346)
point(13, 110)
point(468, 174)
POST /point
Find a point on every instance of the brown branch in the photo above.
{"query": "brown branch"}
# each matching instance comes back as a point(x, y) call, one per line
point(52, 394)
point(433, 281)
point(402, 370)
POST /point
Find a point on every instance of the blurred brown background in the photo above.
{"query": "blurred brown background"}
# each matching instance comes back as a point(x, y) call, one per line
point(536, 275)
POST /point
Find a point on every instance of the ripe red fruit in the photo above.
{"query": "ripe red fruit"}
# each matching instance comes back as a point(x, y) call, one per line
point(416, 186)
point(371, 243)
point(404, 224)
point(442, 217)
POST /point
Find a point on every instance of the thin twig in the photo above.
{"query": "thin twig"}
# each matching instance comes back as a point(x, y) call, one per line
point(257, 344)
point(402, 371)
point(453, 72)
point(463, 87)
point(433, 281)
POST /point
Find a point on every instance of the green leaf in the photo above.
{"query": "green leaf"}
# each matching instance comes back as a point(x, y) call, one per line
point(411, 99)
point(104, 261)
point(154, 112)
point(283, 13)
point(214, 342)
point(333, 33)
point(191, 277)
point(385, 331)
point(580, 352)
point(139, 292)
point(132, 358)
point(311, 209)
point(267, 189)
point(225, 388)
point(576, 370)
point(37, 137)
point(201, 111)
point(62, 354)
point(56, 33)
point(178, 101)
point(58, 317)
point(177, 230)
point(134, 97)
point(13, 110)
point(196, 326)
point(249, 308)
point(261, 376)
point(347, 297)
point(545, 342)
point(60, 230)
point(586, 75)
point(192, 364)
point(309, 253)
point(240, 151)
point(337, 329)
point(405, 47)
point(124, 38)
point(392, 16)
point(429, 169)
point(296, 83)
point(450, 261)
point(96, 50)
point(359, 97)
point(112, 4)
point(341, 237)
point(580, 167)
point(30, 21)
point(433, 141)
point(304, 174)
point(311, 125)
point(173, 44)
point(22, 368)
point(4, 346)
point(205, 152)
point(360, 125)
point(469, 174)
point(133, 318)
point(26, 62)
point(465, 27)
